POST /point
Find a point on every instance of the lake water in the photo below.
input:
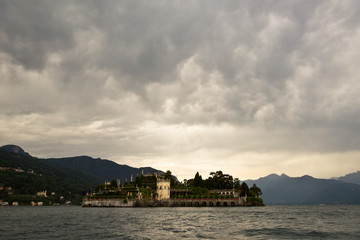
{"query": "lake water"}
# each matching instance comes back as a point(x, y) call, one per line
point(270, 222)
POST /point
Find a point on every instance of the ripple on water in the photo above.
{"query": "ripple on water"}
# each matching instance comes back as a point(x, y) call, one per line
point(271, 222)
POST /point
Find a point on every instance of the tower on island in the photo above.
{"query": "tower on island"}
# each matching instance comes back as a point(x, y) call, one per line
point(162, 188)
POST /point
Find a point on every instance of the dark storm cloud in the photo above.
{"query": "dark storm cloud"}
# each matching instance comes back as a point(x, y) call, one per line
point(30, 30)
point(282, 74)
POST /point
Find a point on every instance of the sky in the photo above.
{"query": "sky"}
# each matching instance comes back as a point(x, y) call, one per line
point(247, 87)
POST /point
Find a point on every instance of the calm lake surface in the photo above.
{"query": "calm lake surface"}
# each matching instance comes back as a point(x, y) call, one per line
point(270, 222)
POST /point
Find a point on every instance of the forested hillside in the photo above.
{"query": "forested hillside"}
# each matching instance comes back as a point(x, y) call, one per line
point(103, 169)
point(27, 175)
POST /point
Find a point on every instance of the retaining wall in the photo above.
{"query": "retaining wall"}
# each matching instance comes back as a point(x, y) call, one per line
point(200, 202)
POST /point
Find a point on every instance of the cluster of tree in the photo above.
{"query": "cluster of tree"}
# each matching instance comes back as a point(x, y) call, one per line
point(140, 181)
point(146, 184)
point(219, 180)
point(173, 180)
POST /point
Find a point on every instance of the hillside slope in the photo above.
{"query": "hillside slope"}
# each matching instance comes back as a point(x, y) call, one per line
point(103, 169)
point(306, 190)
point(15, 149)
point(351, 178)
point(28, 175)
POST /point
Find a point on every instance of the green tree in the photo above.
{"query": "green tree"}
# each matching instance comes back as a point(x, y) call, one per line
point(172, 179)
point(99, 188)
point(256, 190)
point(218, 180)
point(138, 181)
point(244, 189)
point(113, 184)
point(198, 182)
point(237, 185)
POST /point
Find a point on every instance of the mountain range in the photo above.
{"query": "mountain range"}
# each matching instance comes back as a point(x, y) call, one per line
point(100, 169)
point(351, 178)
point(24, 176)
point(105, 170)
point(84, 171)
point(70, 177)
point(307, 190)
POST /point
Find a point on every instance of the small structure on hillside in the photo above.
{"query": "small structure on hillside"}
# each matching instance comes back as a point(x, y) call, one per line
point(42, 194)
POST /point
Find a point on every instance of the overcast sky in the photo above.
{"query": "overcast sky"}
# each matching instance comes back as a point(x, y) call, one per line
point(247, 87)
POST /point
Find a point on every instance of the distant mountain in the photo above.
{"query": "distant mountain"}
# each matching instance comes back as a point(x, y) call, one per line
point(103, 169)
point(351, 178)
point(15, 149)
point(27, 176)
point(99, 169)
point(69, 177)
point(306, 190)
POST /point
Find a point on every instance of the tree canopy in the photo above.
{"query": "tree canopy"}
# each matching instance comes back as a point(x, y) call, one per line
point(256, 190)
point(198, 181)
point(218, 180)
point(173, 180)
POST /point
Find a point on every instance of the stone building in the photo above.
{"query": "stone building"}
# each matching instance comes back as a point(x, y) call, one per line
point(162, 189)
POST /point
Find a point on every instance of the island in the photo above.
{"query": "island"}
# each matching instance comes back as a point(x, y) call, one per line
point(164, 190)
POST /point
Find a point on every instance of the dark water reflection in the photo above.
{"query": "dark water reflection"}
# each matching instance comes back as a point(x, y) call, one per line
point(270, 222)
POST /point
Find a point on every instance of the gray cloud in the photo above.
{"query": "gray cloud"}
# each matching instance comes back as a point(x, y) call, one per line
point(134, 80)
